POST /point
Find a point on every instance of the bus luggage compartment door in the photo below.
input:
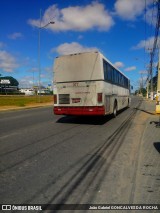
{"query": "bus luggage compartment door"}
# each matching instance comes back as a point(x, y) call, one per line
point(107, 103)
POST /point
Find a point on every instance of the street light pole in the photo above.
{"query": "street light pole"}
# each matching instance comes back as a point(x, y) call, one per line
point(39, 57)
point(39, 51)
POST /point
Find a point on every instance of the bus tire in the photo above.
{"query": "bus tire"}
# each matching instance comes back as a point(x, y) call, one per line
point(115, 109)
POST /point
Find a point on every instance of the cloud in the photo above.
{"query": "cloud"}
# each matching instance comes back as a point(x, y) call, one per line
point(130, 9)
point(71, 48)
point(7, 61)
point(143, 80)
point(26, 82)
point(78, 18)
point(48, 69)
point(2, 45)
point(80, 37)
point(29, 80)
point(147, 44)
point(128, 69)
point(15, 36)
point(151, 16)
point(33, 69)
point(143, 72)
point(118, 64)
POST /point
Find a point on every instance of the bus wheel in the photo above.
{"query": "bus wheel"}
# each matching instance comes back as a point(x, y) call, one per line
point(115, 110)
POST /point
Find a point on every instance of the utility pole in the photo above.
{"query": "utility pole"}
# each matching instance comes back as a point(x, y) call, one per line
point(154, 45)
point(158, 88)
point(151, 73)
point(147, 88)
point(158, 78)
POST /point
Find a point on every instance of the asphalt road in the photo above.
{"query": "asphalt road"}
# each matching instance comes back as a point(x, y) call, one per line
point(57, 159)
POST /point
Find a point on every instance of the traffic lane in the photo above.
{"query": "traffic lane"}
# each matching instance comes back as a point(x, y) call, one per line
point(12, 121)
point(15, 120)
point(45, 163)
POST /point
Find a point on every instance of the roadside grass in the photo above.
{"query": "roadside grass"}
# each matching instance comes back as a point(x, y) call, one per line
point(22, 101)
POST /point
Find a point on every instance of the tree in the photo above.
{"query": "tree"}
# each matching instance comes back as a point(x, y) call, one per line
point(144, 92)
point(141, 91)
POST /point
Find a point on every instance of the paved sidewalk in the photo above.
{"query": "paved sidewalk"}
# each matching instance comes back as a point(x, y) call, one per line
point(147, 187)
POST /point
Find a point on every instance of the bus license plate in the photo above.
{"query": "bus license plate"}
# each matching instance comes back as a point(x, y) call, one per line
point(76, 100)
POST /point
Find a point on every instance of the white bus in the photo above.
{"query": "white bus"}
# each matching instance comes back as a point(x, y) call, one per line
point(89, 84)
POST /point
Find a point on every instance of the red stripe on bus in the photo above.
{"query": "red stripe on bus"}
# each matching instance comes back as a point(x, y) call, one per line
point(98, 110)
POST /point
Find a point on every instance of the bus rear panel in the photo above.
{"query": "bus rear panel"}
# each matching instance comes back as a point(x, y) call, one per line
point(78, 98)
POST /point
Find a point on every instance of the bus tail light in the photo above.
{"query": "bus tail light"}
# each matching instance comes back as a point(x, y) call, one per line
point(99, 97)
point(55, 99)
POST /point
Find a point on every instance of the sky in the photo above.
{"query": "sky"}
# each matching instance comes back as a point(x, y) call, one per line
point(122, 30)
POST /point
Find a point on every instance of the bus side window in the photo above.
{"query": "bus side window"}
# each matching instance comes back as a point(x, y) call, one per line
point(113, 75)
point(122, 80)
point(128, 84)
point(105, 70)
point(109, 72)
point(125, 82)
point(116, 77)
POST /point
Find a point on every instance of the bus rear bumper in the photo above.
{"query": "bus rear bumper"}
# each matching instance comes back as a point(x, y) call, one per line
point(89, 110)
